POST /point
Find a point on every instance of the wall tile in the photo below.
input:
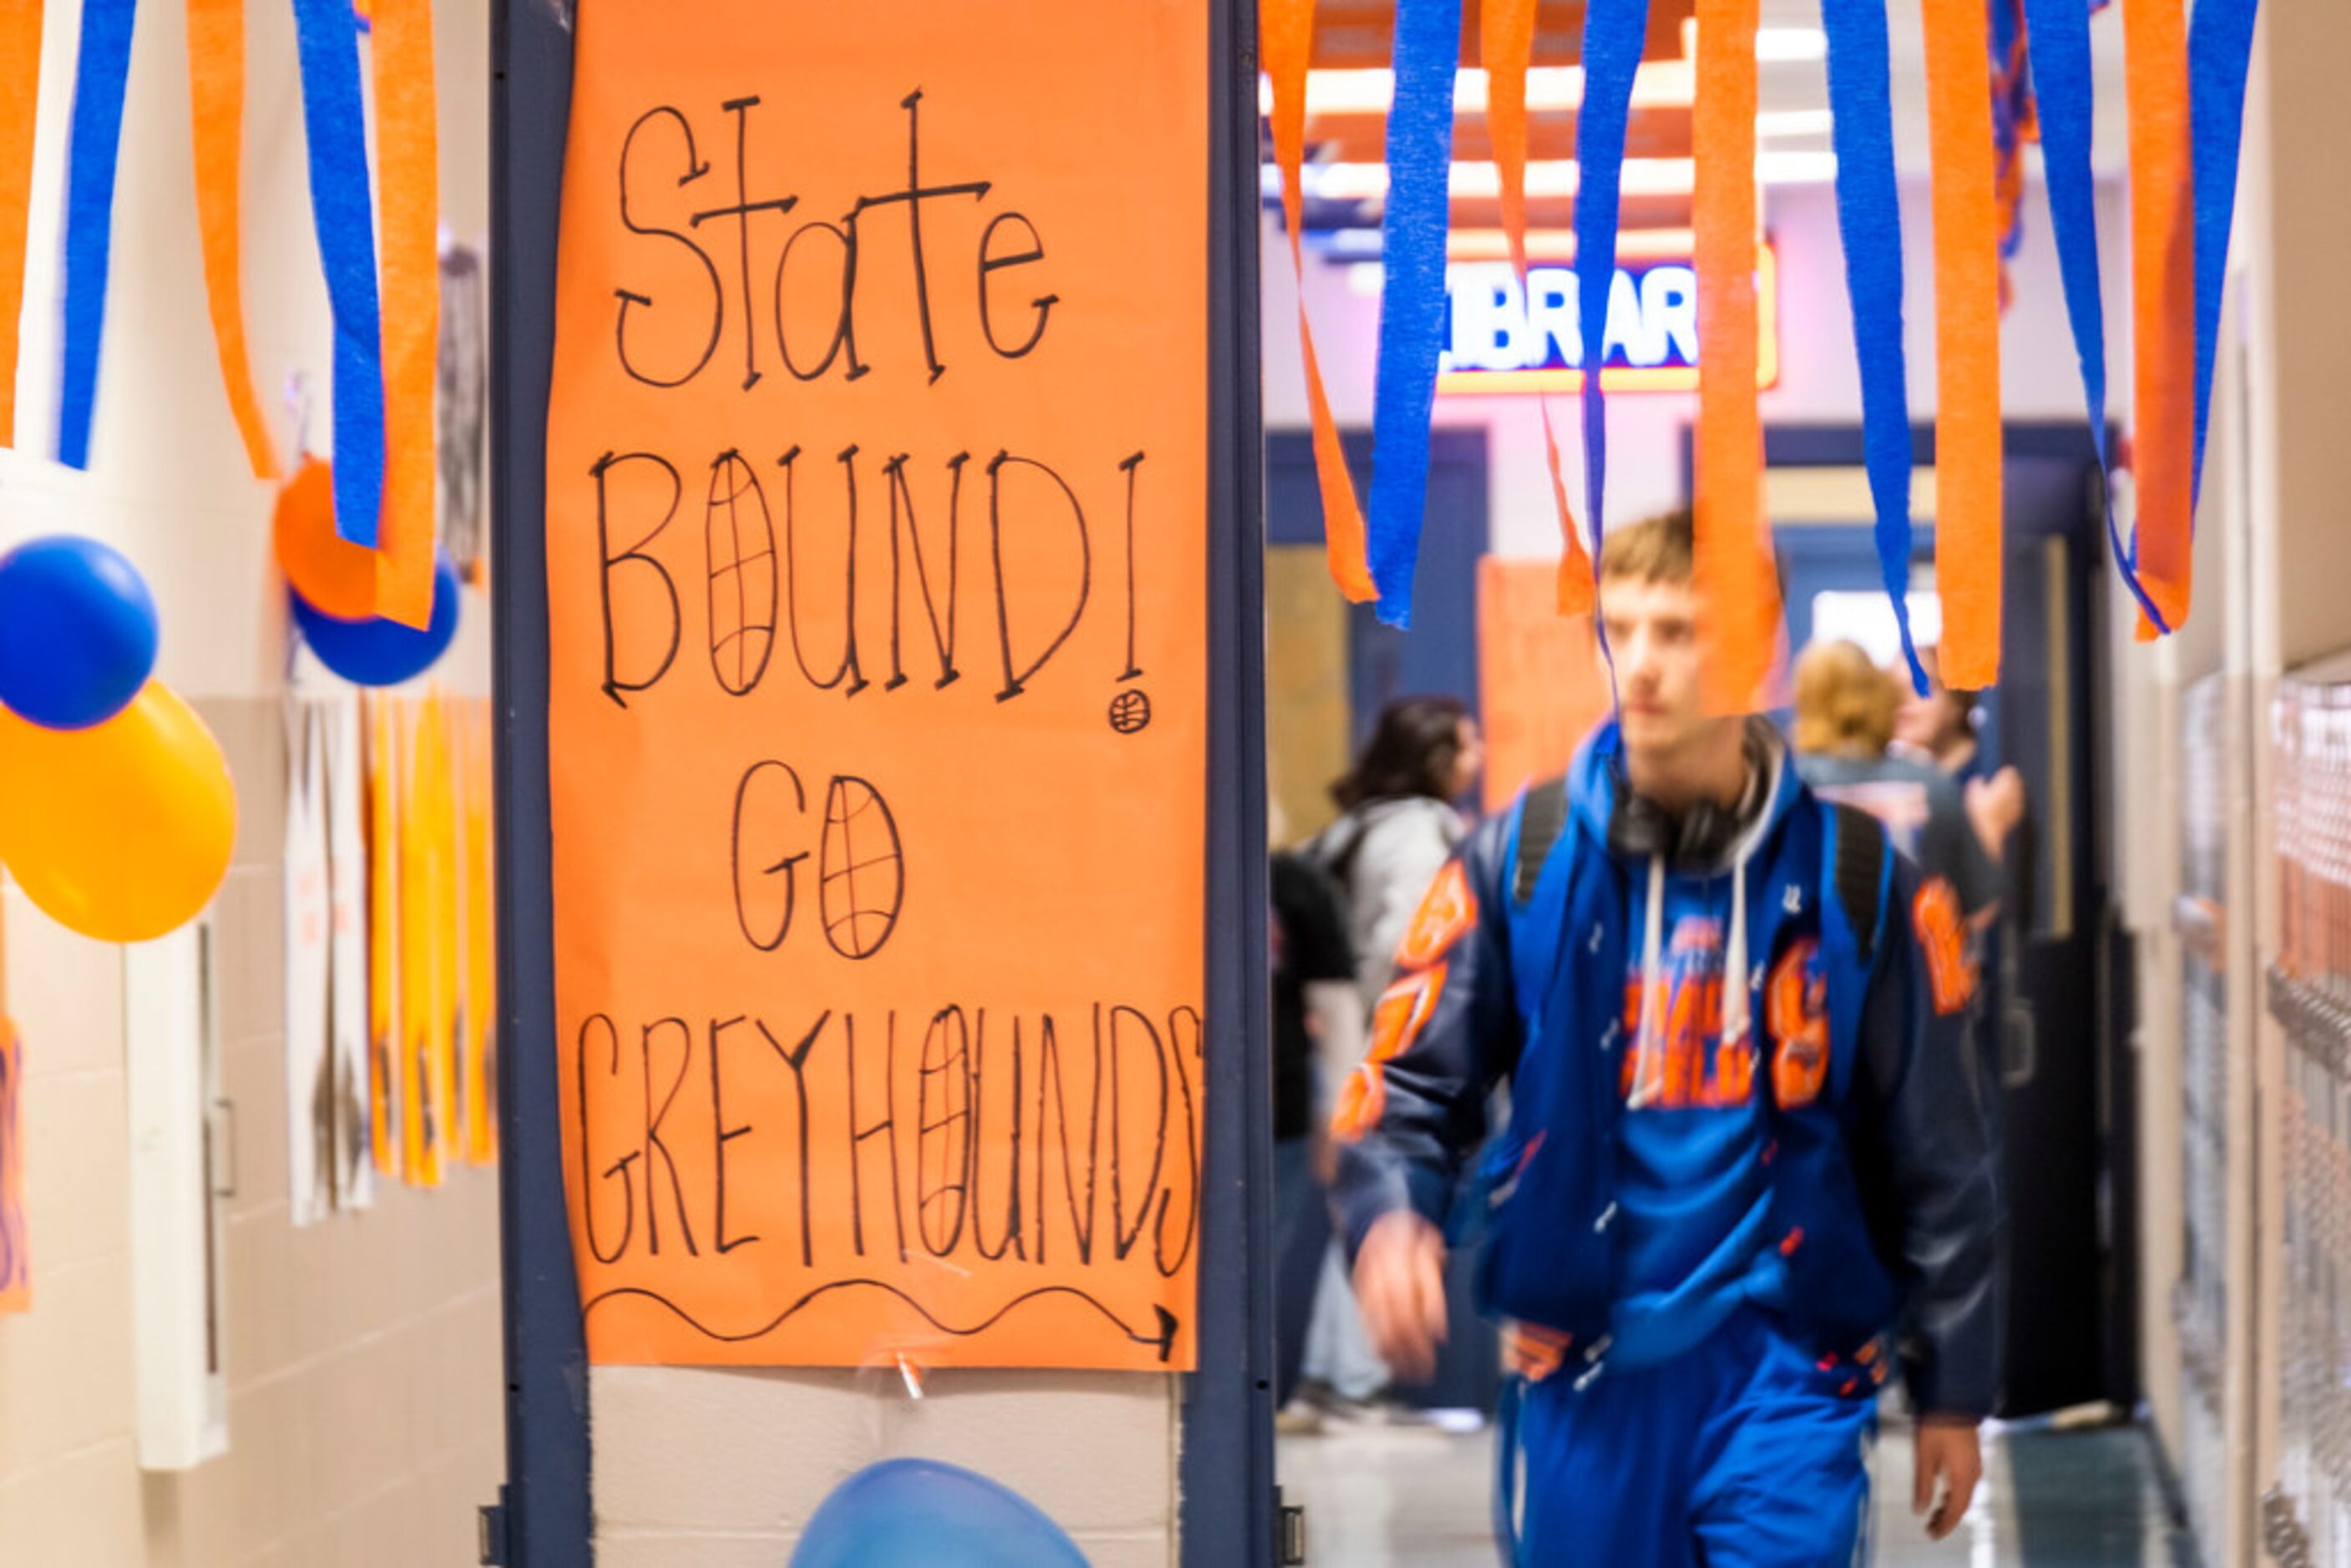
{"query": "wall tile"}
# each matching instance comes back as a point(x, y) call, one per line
point(76, 1170)
point(66, 1376)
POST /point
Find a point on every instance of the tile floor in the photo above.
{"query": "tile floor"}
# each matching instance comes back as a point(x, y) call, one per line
point(1378, 1496)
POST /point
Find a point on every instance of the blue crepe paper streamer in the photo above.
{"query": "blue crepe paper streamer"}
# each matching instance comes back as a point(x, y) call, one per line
point(1869, 221)
point(2220, 53)
point(340, 209)
point(101, 71)
point(1412, 296)
point(2058, 51)
point(1615, 33)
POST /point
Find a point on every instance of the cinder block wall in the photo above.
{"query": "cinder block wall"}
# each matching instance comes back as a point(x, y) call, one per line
point(361, 1354)
point(699, 1467)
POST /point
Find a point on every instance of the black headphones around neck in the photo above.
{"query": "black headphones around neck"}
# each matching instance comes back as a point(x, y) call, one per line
point(1639, 828)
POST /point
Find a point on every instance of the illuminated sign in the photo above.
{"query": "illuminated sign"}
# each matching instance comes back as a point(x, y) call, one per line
point(1501, 337)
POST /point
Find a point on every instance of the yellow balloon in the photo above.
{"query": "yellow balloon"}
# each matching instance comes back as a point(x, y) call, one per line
point(121, 832)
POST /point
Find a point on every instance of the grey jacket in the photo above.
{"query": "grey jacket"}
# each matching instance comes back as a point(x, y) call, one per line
point(1383, 854)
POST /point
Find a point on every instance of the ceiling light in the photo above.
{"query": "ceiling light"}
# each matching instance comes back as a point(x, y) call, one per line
point(1662, 84)
point(1776, 122)
point(1791, 45)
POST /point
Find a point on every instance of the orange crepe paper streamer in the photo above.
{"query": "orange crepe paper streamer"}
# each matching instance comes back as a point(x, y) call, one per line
point(408, 201)
point(216, 93)
point(1286, 42)
point(1736, 586)
point(383, 933)
point(1967, 344)
point(20, 91)
point(481, 953)
point(1507, 47)
point(448, 905)
point(2163, 294)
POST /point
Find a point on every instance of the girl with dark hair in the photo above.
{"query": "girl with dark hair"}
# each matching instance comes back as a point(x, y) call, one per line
point(1398, 824)
point(1397, 831)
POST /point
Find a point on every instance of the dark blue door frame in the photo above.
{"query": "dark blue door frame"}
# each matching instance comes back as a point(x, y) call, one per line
point(544, 1519)
point(1439, 654)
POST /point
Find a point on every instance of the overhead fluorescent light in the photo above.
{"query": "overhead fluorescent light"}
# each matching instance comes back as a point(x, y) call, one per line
point(1778, 122)
point(1661, 84)
point(1561, 177)
point(1559, 245)
point(1773, 46)
point(1791, 45)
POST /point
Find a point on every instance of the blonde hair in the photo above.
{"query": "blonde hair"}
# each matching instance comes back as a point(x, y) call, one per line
point(1662, 549)
point(1844, 702)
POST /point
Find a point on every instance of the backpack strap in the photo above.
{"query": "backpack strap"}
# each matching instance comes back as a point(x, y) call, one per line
point(1856, 864)
point(1857, 871)
point(1542, 819)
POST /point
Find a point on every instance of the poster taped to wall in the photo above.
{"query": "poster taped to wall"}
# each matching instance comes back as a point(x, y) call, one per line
point(310, 1022)
point(347, 1000)
point(877, 592)
point(425, 1023)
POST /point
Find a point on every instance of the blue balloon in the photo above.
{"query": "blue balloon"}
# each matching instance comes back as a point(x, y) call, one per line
point(77, 631)
point(919, 1513)
point(376, 652)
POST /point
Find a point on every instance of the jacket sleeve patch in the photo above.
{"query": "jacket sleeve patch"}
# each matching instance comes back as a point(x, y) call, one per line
point(1942, 933)
point(1446, 914)
point(1403, 1013)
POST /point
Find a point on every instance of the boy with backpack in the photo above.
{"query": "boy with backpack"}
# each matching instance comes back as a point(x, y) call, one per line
point(1746, 1176)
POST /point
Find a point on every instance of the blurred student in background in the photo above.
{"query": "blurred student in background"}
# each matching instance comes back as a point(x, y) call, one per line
point(1397, 823)
point(1397, 828)
point(1318, 1038)
point(1845, 719)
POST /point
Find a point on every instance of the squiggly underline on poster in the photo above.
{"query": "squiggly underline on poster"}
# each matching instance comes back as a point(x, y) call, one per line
point(1163, 1340)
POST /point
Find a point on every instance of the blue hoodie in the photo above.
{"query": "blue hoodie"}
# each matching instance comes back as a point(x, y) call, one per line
point(1789, 1120)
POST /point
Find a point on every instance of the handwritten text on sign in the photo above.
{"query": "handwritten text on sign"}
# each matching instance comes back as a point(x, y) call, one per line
point(876, 594)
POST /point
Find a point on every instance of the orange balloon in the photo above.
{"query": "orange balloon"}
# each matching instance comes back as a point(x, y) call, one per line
point(330, 573)
point(121, 832)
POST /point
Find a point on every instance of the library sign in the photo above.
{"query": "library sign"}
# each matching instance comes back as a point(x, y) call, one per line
point(1502, 336)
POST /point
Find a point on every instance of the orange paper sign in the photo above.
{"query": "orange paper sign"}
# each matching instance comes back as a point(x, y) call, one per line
point(877, 584)
point(1540, 678)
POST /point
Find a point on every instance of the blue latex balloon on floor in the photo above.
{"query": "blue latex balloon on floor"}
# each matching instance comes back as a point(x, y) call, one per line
point(77, 631)
point(919, 1513)
point(379, 652)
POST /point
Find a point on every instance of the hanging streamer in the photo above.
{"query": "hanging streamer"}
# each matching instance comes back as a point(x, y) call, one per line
point(1507, 49)
point(101, 69)
point(2012, 126)
point(2219, 52)
point(337, 129)
point(1412, 295)
point(2059, 61)
point(1286, 44)
point(1967, 345)
point(216, 93)
point(407, 163)
point(1614, 32)
point(2163, 299)
point(1737, 587)
point(20, 88)
point(1869, 221)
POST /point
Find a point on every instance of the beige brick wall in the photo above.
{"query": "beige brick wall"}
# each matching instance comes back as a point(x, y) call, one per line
point(709, 1468)
point(361, 1354)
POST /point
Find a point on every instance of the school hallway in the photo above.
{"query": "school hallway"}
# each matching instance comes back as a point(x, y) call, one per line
point(1415, 1497)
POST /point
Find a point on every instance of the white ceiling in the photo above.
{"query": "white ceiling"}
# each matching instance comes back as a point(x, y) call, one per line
point(1785, 87)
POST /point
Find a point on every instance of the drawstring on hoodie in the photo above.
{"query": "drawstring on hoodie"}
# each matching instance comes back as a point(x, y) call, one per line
point(1649, 1060)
